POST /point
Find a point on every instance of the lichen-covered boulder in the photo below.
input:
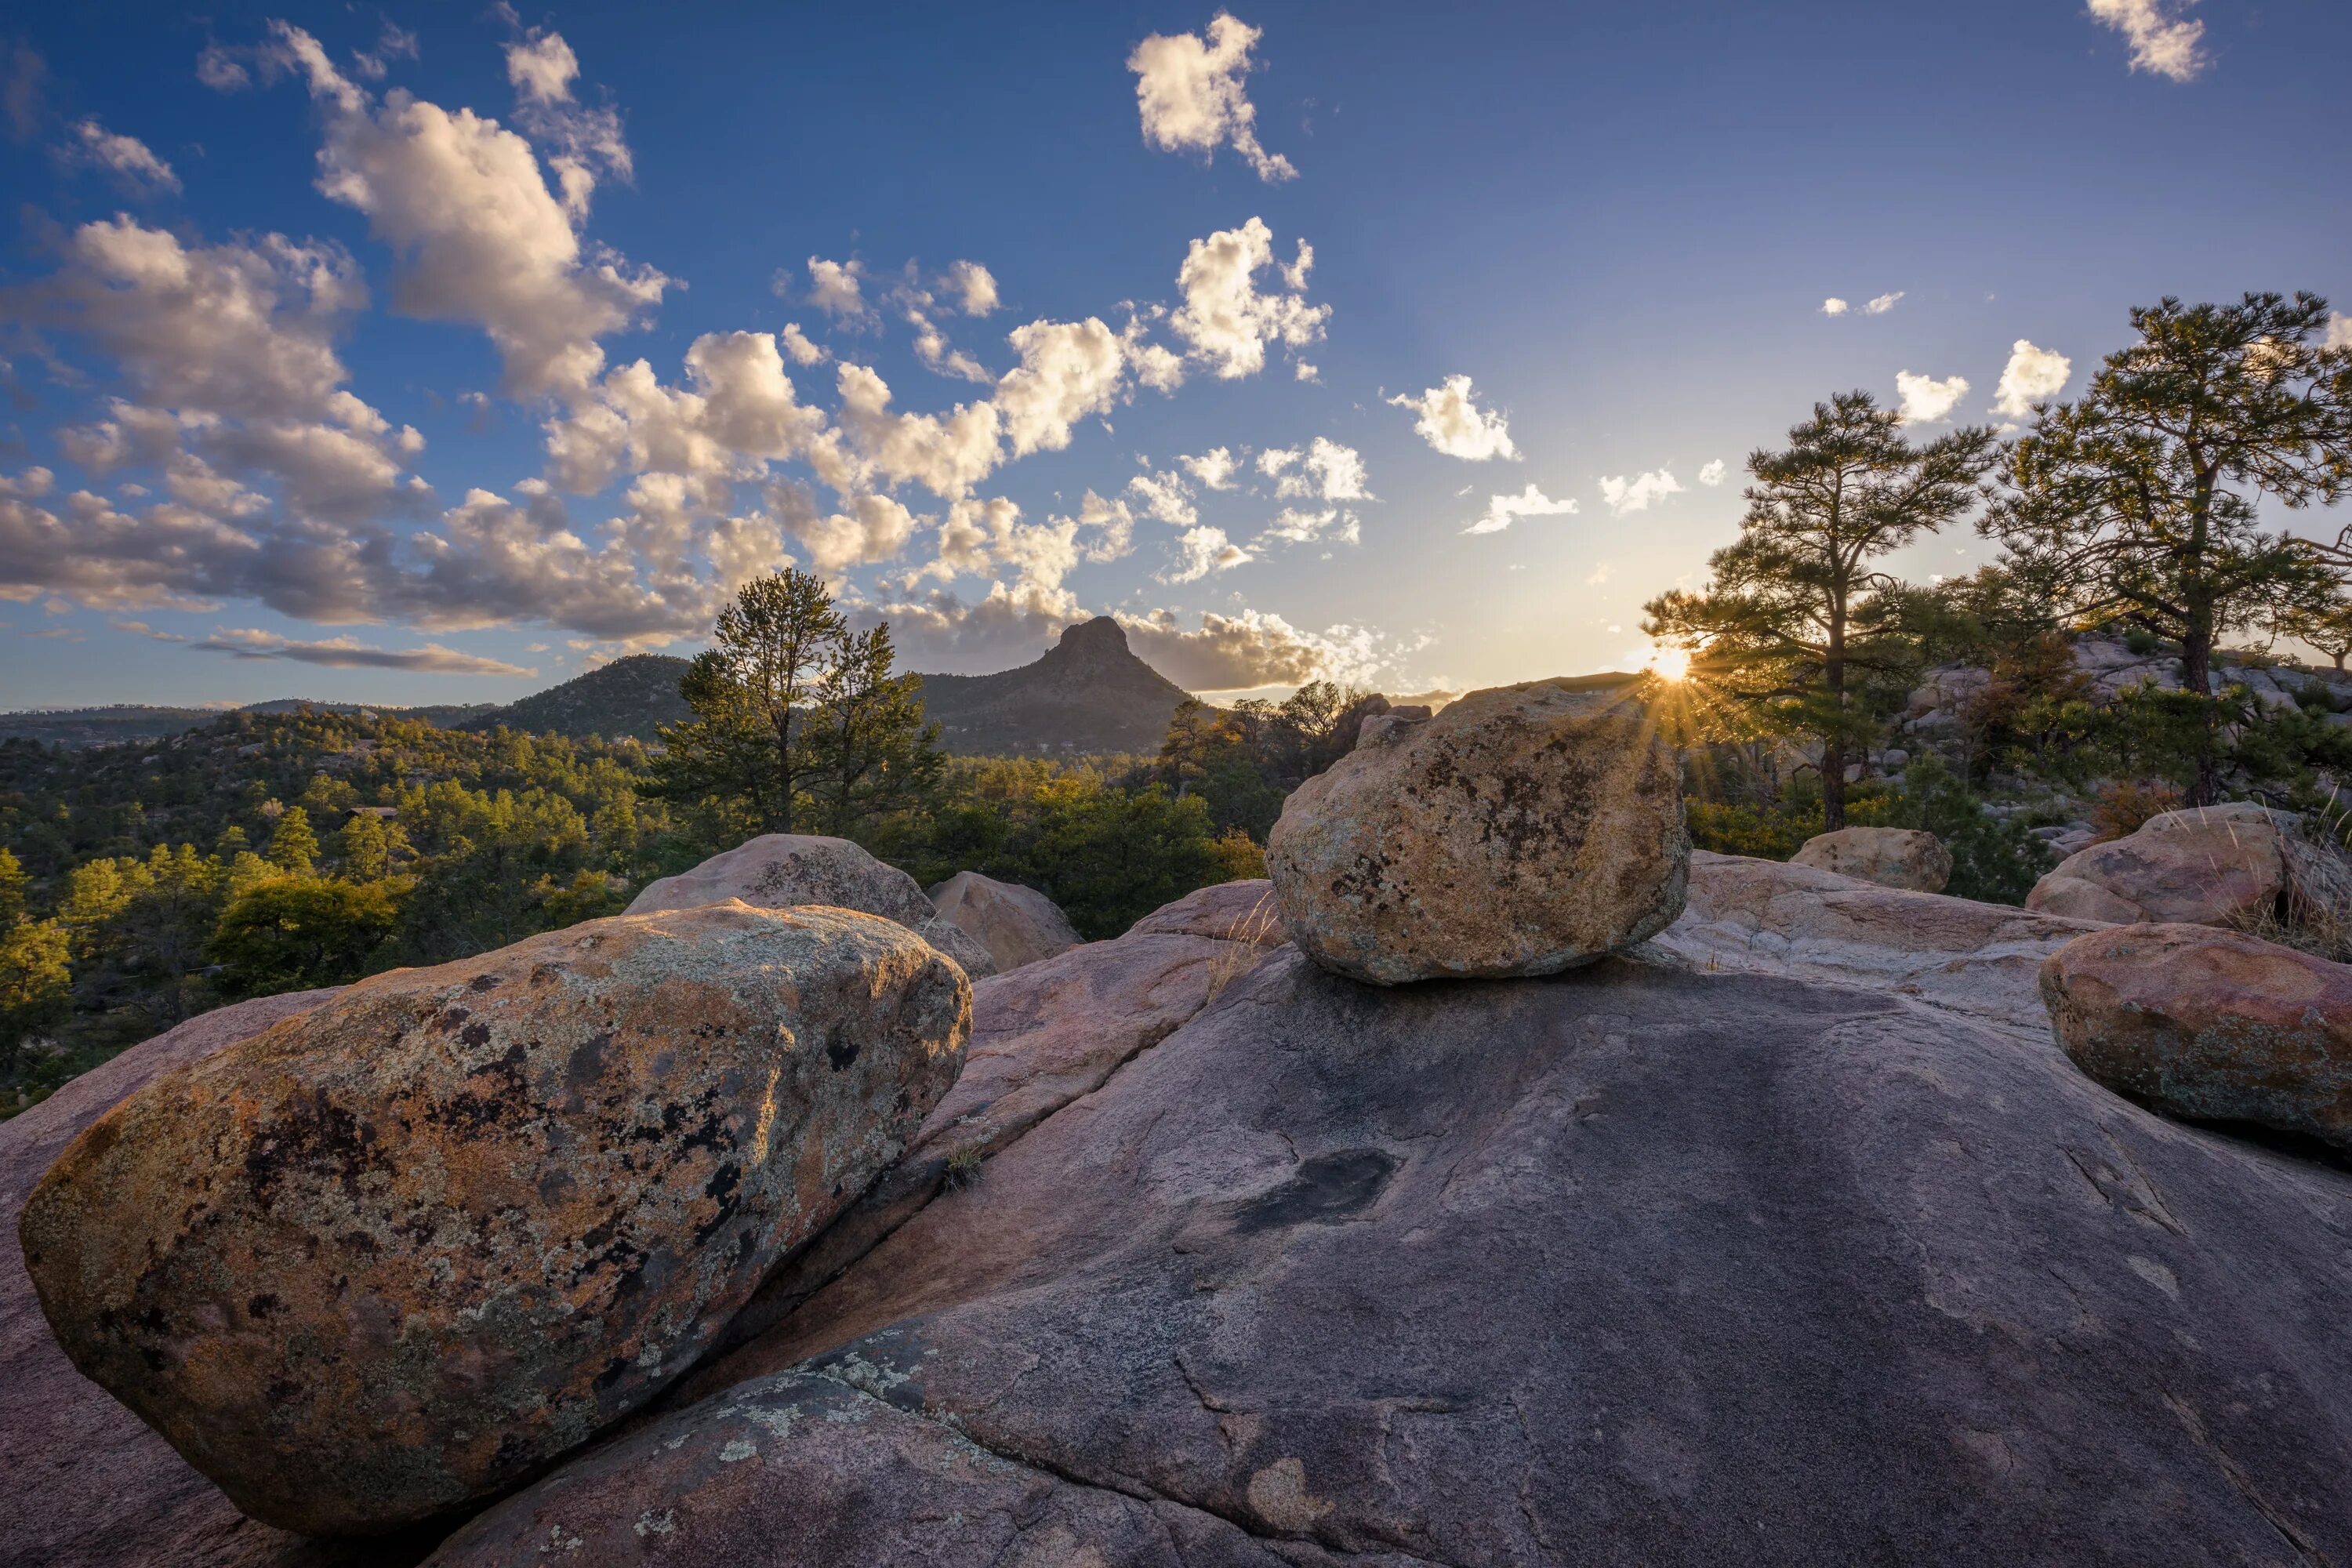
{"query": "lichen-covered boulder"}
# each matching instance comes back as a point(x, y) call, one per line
point(778, 870)
point(1524, 830)
point(2210, 1024)
point(2212, 864)
point(1899, 858)
point(1017, 925)
point(397, 1253)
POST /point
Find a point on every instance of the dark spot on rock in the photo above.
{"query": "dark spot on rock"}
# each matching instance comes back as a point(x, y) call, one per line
point(449, 1019)
point(614, 1369)
point(283, 1389)
point(483, 983)
point(1327, 1187)
point(476, 1035)
point(841, 1053)
point(261, 1306)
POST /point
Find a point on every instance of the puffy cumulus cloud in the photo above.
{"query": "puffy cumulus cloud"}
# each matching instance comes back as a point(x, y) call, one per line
point(1450, 420)
point(837, 287)
point(947, 454)
point(1201, 550)
point(1326, 471)
point(131, 435)
point(737, 414)
point(345, 653)
point(1712, 474)
point(798, 347)
point(1226, 319)
point(578, 140)
point(1637, 494)
point(1833, 306)
point(943, 631)
point(931, 347)
point(1239, 652)
point(1190, 92)
point(1214, 468)
point(972, 287)
point(1154, 365)
point(1302, 525)
point(2031, 375)
point(1068, 370)
point(494, 562)
point(481, 239)
point(866, 529)
point(1503, 510)
point(128, 160)
point(1882, 303)
point(325, 472)
point(246, 330)
point(2163, 42)
point(2339, 331)
point(1926, 399)
point(1164, 498)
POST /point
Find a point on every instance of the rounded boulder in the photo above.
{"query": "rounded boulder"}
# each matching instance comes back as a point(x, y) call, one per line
point(396, 1254)
point(1523, 830)
point(1899, 858)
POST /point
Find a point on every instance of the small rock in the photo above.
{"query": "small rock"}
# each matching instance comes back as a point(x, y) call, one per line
point(2211, 865)
point(1523, 830)
point(1017, 925)
point(1891, 857)
point(2209, 1024)
point(396, 1253)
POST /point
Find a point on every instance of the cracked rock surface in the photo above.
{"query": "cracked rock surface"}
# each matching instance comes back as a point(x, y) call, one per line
point(1628, 1265)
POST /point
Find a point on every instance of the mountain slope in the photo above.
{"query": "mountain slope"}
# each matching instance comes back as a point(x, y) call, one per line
point(627, 697)
point(1088, 694)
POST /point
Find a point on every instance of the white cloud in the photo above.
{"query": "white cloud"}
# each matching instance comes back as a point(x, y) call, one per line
point(1214, 468)
point(343, 653)
point(737, 413)
point(1926, 400)
point(1326, 471)
point(1226, 319)
point(2339, 331)
point(1068, 370)
point(1301, 525)
point(480, 236)
point(1451, 422)
point(1636, 494)
point(2032, 375)
point(1237, 653)
point(1190, 94)
point(974, 286)
point(798, 347)
point(1712, 475)
point(1882, 303)
point(1201, 550)
point(931, 347)
point(2161, 41)
point(835, 288)
point(1302, 371)
point(541, 67)
point(1503, 510)
point(129, 160)
point(1164, 498)
point(871, 528)
point(947, 454)
point(1833, 306)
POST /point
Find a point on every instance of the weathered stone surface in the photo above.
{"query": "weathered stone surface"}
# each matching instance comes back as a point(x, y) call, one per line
point(1770, 917)
point(971, 955)
point(1042, 1036)
point(2211, 1025)
point(396, 1253)
point(2211, 865)
point(1621, 1266)
point(1524, 830)
point(777, 871)
point(89, 1484)
point(1017, 925)
point(1898, 857)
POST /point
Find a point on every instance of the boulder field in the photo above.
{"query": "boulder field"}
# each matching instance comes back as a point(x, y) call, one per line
point(1790, 1236)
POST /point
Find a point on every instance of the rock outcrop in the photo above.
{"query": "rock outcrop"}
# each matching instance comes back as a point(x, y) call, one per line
point(2209, 1024)
point(1017, 925)
point(2215, 865)
point(1774, 917)
point(397, 1252)
point(1898, 857)
point(1522, 831)
point(784, 870)
point(90, 1485)
point(1629, 1264)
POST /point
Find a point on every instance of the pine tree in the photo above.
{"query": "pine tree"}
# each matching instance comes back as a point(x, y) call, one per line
point(292, 845)
point(1798, 609)
point(872, 753)
point(2139, 496)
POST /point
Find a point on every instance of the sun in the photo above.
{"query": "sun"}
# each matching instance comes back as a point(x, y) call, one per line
point(1670, 663)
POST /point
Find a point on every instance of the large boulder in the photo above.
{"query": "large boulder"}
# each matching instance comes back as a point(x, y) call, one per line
point(1898, 857)
point(2217, 864)
point(1522, 831)
point(1625, 1264)
point(2209, 1024)
point(1773, 917)
point(92, 1486)
point(1017, 925)
point(784, 870)
point(396, 1253)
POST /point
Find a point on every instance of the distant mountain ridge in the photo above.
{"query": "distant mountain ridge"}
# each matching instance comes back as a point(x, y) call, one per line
point(1088, 694)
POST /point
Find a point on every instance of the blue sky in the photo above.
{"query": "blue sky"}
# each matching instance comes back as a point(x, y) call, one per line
point(433, 354)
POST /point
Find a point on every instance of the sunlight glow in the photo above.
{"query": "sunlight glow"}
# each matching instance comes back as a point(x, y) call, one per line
point(1670, 663)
